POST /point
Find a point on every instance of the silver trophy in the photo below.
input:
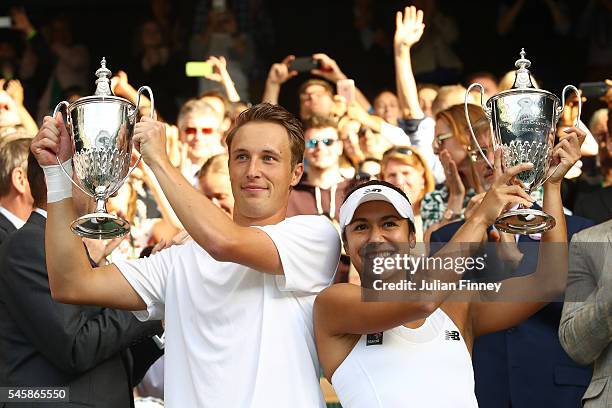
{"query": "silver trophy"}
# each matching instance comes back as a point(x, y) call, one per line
point(101, 127)
point(524, 121)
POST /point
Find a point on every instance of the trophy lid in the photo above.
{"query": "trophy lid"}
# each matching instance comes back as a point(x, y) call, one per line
point(523, 84)
point(103, 93)
point(103, 82)
point(522, 79)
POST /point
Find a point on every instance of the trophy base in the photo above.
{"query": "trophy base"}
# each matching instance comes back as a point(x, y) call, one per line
point(524, 221)
point(100, 226)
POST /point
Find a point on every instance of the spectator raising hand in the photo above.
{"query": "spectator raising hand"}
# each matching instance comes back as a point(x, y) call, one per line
point(409, 27)
point(15, 91)
point(121, 86)
point(221, 75)
point(278, 75)
point(14, 113)
point(21, 21)
point(330, 70)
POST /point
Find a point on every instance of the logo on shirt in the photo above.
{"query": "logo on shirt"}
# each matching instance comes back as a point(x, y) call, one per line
point(451, 335)
point(374, 339)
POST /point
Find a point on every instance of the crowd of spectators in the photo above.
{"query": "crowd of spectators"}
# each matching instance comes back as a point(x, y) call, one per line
point(404, 124)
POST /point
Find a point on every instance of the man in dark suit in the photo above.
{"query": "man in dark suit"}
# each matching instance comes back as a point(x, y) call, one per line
point(6, 227)
point(596, 205)
point(98, 353)
point(525, 366)
point(15, 197)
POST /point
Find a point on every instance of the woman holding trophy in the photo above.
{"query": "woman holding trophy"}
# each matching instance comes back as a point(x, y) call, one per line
point(394, 354)
point(418, 352)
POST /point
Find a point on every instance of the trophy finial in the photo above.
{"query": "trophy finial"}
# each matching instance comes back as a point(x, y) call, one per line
point(523, 76)
point(103, 81)
point(522, 62)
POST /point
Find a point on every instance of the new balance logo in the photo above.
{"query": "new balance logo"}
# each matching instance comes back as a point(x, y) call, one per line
point(451, 335)
point(374, 339)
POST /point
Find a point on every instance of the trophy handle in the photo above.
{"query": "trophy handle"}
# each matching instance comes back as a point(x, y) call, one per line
point(562, 108)
point(151, 115)
point(467, 117)
point(560, 112)
point(57, 109)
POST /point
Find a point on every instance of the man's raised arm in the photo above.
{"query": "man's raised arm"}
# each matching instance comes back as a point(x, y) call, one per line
point(71, 277)
point(408, 31)
point(278, 75)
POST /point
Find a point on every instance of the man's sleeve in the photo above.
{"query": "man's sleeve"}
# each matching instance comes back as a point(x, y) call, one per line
point(74, 338)
point(148, 277)
point(309, 249)
point(394, 134)
point(422, 139)
point(586, 322)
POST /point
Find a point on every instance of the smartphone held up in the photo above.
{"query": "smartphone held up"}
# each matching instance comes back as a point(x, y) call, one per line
point(304, 64)
point(198, 68)
point(346, 89)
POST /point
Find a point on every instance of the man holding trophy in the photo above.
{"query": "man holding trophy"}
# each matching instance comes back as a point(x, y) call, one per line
point(237, 300)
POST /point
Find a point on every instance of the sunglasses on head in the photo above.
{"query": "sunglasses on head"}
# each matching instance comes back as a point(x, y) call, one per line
point(204, 131)
point(313, 143)
point(443, 136)
point(363, 176)
point(400, 150)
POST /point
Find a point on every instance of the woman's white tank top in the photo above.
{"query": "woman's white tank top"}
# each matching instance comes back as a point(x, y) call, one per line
point(425, 367)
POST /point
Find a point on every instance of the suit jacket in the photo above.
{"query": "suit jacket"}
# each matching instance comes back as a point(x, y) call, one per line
point(6, 227)
point(45, 343)
point(525, 366)
point(596, 206)
point(586, 323)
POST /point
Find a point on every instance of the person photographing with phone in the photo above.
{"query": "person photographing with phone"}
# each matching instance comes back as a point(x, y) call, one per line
point(316, 95)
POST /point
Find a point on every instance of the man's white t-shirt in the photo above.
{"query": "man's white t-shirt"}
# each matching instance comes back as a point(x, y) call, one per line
point(236, 337)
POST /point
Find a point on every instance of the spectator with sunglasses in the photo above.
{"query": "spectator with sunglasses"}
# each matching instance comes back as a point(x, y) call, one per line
point(201, 131)
point(407, 169)
point(322, 187)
